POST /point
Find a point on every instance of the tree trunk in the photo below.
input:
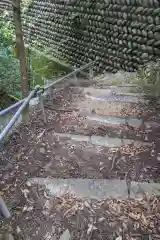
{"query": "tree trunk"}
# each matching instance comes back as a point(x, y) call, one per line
point(20, 46)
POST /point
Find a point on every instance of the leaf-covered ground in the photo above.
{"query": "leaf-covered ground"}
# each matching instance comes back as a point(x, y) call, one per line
point(34, 150)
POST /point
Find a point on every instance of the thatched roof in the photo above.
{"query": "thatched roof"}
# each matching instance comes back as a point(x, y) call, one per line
point(119, 34)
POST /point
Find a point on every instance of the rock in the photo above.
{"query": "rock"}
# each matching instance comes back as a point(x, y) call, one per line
point(18, 230)
point(57, 157)
point(9, 166)
point(101, 164)
point(102, 219)
point(119, 238)
point(158, 157)
point(65, 235)
point(91, 227)
point(28, 184)
point(144, 56)
point(27, 209)
point(157, 44)
point(42, 150)
point(157, 36)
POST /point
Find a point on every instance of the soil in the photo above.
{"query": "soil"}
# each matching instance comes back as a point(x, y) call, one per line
point(33, 150)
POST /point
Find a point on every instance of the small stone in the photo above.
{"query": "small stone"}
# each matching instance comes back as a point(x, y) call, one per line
point(18, 230)
point(27, 209)
point(144, 56)
point(65, 235)
point(42, 150)
point(158, 157)
point(119, 238)
point(9, 166)
point(91, 227)
point(101, 168)
point(152, 153)
point(101, 164)
point(58, 157)
point(25, 192)
point(102, 219)
point(28, 184)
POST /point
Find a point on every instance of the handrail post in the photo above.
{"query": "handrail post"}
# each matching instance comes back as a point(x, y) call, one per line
point(42, 107)
point(75, 77)
point(49, 91)
point(91, 73)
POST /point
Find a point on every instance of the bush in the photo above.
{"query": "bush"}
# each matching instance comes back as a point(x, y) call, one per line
point(6, 34)
point(9, 76)
point(149, 79)
point(9, 65)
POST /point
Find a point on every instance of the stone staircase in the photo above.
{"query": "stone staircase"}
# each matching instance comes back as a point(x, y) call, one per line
point(93, 168)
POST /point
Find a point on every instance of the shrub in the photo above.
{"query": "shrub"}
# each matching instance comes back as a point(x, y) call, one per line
point(9, 66)
point(9, 76)
point(149, 79)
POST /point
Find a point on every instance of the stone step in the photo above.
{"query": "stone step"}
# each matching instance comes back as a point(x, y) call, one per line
point(101, 107)
point(127, 91)
point(118, 98)
point(96, 188)
point(132, 121)
point(118, 78)
point(57, 156)
point(103, 141)
point(114, 94)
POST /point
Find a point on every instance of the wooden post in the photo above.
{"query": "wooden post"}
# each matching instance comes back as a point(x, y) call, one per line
point(91, 73)
point(20, 46)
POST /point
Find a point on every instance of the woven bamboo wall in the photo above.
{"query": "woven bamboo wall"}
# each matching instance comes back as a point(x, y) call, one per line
point(119, 34)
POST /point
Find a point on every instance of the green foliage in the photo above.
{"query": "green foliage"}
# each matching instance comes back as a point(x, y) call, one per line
point(6, 34)
point(41, 67)
point(9, 66)
point(9, 76)
point(116, 82)
point(44, 68)
point(149, 78)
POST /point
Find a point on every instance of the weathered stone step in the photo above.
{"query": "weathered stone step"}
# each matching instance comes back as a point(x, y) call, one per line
point(107, 108)
point(132, 121)
point(113, 94)
point(118, 98)
point(95, 188)
point(90, 128)
point(69, 158)
point(127, 91)
point(103, 141)
point(118, 78)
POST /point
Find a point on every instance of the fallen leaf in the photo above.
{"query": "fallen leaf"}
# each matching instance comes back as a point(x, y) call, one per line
point(18, 230)
point(134, 216)
point(27, 209)
point(25, 192)
point(87, 205)
point(101, 219)
point(91, 227)
point(144, 219)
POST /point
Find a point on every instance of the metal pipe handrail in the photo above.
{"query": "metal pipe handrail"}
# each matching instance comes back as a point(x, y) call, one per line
point(10, 108)
point(3, 208)
point(27, 100)
point(68, 75)
point(16, 115)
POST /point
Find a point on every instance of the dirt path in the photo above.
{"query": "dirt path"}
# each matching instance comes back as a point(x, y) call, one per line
point(36, 150)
